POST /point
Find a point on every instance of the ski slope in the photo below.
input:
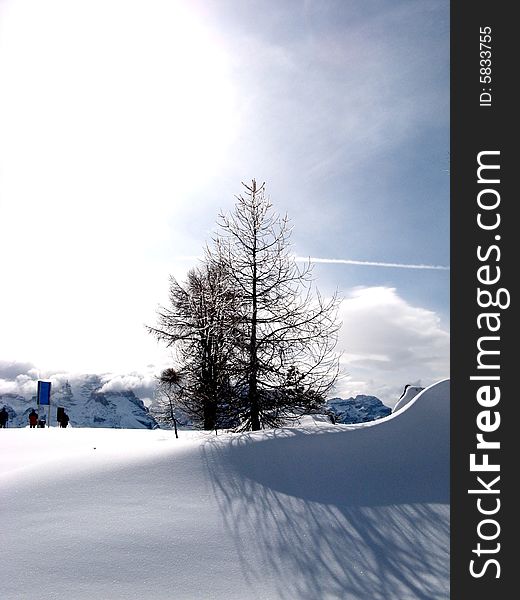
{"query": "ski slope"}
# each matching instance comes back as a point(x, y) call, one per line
point(313, 512)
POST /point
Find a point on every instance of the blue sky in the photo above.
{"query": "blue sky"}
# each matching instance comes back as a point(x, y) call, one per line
point(127, 126)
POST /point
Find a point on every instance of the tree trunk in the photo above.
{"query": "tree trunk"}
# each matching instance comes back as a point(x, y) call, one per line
point(253, 373)
point(253, 359)
point(172, 416)
point(210, 414)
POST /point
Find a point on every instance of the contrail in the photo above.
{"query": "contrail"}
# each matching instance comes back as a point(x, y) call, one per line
point(368, 263)
point(346, 261)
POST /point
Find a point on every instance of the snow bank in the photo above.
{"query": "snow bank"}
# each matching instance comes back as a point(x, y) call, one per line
point(408, 396)
point(308, 513)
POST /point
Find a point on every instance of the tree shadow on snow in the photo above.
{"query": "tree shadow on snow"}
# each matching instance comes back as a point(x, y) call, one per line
point(360, 514)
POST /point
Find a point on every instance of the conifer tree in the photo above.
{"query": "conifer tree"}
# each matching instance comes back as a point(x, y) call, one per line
point(285, 363)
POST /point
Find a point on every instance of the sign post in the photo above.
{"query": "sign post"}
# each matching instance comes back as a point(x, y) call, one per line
point(44, 399)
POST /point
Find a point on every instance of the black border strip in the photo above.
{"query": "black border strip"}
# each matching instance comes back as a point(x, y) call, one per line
point(483, 124)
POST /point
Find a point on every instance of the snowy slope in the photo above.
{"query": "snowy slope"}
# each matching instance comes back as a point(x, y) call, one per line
point(356, 512)
point(407, 396)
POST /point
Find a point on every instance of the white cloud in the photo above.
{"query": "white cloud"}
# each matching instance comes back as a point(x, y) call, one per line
point(388, 343)
point(11, 369)
point(137, 382)
point(21, 378)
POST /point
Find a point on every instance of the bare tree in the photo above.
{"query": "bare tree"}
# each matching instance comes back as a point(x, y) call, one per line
point(198, 324)
point(285, 362)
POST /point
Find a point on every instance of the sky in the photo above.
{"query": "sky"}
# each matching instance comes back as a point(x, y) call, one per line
point(127, 126)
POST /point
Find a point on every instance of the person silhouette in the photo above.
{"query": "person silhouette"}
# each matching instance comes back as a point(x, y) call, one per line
point(33, 419)
point(64, 421)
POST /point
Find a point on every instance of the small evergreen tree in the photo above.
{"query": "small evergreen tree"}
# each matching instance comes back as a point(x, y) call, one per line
point(166, 395)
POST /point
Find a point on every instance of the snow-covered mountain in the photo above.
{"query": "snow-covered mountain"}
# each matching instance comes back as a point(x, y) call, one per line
point(86, 404)
point(357, 410)
point(89, 403)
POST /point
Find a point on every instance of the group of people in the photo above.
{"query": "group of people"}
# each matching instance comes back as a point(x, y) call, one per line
point(63, 419)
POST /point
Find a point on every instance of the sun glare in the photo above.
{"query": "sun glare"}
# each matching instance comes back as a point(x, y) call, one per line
point(111, 94)
point(110, 112)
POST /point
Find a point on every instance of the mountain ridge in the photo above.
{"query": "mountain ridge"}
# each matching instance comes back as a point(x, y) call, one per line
point(89, 404)
point(86, 404)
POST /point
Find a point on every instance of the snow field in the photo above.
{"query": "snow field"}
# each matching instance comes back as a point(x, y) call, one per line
point(305, 513)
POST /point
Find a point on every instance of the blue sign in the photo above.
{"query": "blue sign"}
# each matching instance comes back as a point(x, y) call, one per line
point(44, 392)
